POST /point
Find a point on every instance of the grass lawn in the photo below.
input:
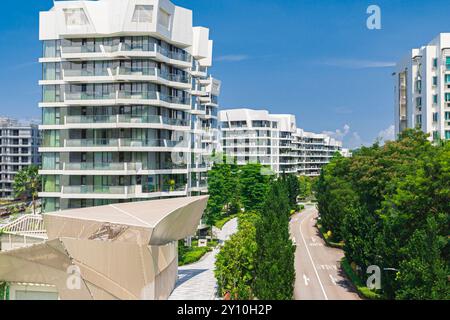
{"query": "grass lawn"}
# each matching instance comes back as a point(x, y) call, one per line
point(362, 289)
point(189, 255)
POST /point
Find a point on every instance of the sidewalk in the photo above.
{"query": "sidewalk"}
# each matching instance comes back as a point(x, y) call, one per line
point(197, 281)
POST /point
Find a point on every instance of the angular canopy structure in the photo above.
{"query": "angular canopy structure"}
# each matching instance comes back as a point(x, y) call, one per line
point(122, 251)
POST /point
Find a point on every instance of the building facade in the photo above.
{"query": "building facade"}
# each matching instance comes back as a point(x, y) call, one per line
point(19, 143)
point(128, 106)
point(422, 89)
point(255, 136)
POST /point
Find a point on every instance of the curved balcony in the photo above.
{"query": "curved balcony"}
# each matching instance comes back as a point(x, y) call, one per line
point(150, 50)
point(126, 97)
point(122, 192)
point(115, 168)
point(123, 121)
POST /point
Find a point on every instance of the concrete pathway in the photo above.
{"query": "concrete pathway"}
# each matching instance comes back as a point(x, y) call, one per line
point(197, 281)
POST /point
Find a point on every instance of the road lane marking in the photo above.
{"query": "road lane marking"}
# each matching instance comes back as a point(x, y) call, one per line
point(333, 279)
point(307, 280)
point(312, 261)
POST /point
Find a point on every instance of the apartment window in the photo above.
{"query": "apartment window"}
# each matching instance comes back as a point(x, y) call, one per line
point(447, 135)
point(435, 117)
point(435, 99)
point(447, 97)
point(164, 19)
point(447, 78)
point(142, 14)
point(75, 17)
point(447, 116)
point(419, 120)
point(435, 63)
point(419, 86)
point(436, 135)
point(419, 102)
point(447, 62)
point(435, 81)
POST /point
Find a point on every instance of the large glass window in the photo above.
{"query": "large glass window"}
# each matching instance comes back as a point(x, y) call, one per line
point(51, 71)
point(51, 49)
point(51, 93)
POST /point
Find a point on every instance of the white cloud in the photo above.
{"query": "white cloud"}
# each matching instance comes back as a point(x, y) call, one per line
point(387, 134)
point(351, 139)
point(339, 134)
point(232, 58)
point(356, 63)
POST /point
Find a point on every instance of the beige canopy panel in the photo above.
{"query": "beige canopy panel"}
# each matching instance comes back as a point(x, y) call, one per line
point(123, 251)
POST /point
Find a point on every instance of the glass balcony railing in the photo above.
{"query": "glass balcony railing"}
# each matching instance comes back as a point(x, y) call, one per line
point(150, 119)
point(103, 166)
point(178, 187)
point(153, 143)
point(86, 73)
point(133, 71)
point(90, 96)
point(80, 49)
point(122, 166)
point(146, 95)
point(149, 46)
point(90, 119)
point(74, 143)
point(115, 190)
point(175, 100)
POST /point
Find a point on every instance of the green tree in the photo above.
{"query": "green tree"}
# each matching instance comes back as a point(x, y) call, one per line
point(390, 205)
point(222, 187)
point(253, 187)
point(235, 263)
point(275, 273)
point(305, 187)
point(27, 184)
point(292, 186)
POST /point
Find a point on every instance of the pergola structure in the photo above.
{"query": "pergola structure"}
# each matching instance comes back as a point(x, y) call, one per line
point(123, 251)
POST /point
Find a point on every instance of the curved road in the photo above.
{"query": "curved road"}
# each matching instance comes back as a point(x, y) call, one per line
point(317, 266)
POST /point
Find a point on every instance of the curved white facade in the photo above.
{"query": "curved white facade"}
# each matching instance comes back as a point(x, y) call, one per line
point(129, 107)
point(422, 89)
point(255, 136)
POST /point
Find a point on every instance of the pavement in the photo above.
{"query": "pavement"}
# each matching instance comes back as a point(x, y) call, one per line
point(197, 281)
point(318, 272)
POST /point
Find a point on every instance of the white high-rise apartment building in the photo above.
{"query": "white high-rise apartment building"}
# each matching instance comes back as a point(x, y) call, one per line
point(422, 89)
point(255, 136)
point(19, 144)
point(129, 108)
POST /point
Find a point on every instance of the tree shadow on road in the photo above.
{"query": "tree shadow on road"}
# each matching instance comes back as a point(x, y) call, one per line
point(186, 275)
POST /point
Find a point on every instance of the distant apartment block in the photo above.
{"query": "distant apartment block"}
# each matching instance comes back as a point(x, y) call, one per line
point(19, 143)
point(255, 136)
point(129, 108)
point(422, 89)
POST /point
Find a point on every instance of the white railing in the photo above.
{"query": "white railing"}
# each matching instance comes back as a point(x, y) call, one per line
point(28, 225)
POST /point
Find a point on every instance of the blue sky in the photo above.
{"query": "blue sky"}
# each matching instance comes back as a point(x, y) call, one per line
point(313, 58)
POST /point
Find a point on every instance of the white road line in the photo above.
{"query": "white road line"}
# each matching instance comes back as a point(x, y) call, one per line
point(306, 280)
point(312, 261)
point(333, 279)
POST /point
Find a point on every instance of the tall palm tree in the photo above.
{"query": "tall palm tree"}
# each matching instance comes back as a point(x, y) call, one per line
point(27, 184)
